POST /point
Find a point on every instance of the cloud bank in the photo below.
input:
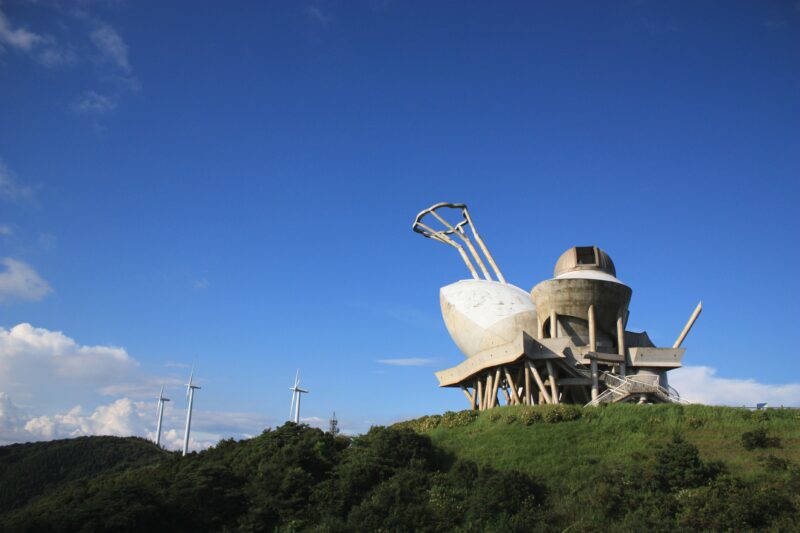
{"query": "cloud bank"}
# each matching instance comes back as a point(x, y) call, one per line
point(700, 384)
point(47, 379)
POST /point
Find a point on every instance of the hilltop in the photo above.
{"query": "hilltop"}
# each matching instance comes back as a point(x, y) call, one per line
point(548, 468)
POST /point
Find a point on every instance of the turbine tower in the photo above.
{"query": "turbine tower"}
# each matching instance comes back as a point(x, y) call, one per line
point(296, 392)
point(190, 387)
point(161, 401)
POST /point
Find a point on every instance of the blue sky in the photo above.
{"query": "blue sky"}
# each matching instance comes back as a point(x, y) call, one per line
point(234, 185)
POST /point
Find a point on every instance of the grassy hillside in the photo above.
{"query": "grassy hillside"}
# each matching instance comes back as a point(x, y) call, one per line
point(545, 468)
point(580, 452)
point(585, 440)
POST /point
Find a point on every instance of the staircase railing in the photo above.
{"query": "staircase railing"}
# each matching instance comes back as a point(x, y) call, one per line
point(618, 387)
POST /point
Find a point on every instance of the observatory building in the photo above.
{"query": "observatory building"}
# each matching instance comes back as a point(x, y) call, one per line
point(564, 342)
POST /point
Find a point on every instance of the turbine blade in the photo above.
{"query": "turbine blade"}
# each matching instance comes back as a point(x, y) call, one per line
point(291, 406)
point(189, 385)
point(297, 378)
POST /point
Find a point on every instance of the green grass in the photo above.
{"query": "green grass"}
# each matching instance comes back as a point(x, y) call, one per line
point(570, 455)
point(578, 447)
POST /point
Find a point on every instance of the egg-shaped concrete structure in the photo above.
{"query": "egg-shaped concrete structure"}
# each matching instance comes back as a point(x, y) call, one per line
point(481, 314)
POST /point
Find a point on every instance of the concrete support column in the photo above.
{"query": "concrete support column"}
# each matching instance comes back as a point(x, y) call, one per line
point(592, 330)
point(539, 328)
point(487, 402)
point(595, 380)
point(553, 325)
point(621, 344)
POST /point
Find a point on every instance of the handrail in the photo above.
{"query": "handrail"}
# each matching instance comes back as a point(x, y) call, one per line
point(623, 385)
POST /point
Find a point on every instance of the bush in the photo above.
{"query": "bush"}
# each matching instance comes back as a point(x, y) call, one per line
point(561, 413)
point(775, 464)
point(758, 438)
point(458, 419)
point(678, 466)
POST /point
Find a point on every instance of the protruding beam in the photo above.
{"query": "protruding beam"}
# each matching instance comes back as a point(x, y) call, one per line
point(514, 394)
point(539, 382)
point(688, 325)
point(528, 389)
point(483, 247)
point(553, 386)
point(487, 402)
point(495, 386)
point(470, 397)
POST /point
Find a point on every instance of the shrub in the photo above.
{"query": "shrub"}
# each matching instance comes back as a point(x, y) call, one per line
point(561, 413)
point(678, 466)
point(529, 415)
point(458, 419)
point(775, 464)
point(758, 438)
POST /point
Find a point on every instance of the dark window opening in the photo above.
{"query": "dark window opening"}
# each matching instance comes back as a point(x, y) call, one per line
point(586, 255)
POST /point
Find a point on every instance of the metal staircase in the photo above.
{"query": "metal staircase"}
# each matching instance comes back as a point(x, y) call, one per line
point(619, 388)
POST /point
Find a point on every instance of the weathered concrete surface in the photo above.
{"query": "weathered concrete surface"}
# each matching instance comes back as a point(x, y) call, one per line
point(575, 259)
point(573, 296)
point(482, 314)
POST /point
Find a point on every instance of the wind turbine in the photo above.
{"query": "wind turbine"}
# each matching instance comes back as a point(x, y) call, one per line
point(296, 392)
point(190, 387)
point(161, 401)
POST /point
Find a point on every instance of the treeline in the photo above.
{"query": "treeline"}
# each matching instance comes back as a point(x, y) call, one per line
point(296, 478)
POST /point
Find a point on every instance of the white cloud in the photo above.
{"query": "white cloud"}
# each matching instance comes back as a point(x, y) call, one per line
point(56, 377)
point(6, 230)
point(411, 361)
point(121, 418)
point(19, 38)
point(700, 384)
point(94, 102)
point(53, 57)
point(12, 420)
point(36, 364)
point(21, 282)
point(43, 48)
point(10, 187)
point(111, 46)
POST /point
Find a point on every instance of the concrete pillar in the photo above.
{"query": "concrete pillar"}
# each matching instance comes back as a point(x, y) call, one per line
point(528, 389)
point(592, 330)
point(595, 380)
point(553, 325)
point(621, 344)
point(539, 328)
point(487, 403)
point(551, 373)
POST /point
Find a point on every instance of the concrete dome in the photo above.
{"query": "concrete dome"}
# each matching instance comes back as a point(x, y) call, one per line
point(482, 314)
point(580, 258)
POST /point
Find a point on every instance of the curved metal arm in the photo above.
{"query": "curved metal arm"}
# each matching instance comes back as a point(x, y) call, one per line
point(459, 230)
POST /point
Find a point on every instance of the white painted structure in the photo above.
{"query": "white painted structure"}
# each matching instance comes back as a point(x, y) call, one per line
point(161, 401)
point(294, 408)
point(190, 387)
